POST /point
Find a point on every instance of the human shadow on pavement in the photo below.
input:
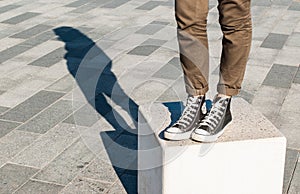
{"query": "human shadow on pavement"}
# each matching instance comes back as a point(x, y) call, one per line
point(91, 68)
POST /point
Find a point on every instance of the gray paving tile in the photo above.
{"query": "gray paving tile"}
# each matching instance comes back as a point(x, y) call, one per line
point(160, 22)
point(168, 95)
point(291, 100)
point(176, 92)
point(102, 171)
point(115, 3)
point(31, 31)
point(37, 187)
point(281, 2)
point(287, 23)
point(252, 79)
point(274, 41)
point(150, 29)
point(168, 71)
point(60, 137)
point(3, 160)
point(289, 126)
point(155, 42)
point(98, 3)
point(50, 117)
point(67, 165)
point(175, 61)
point(117, 188)
point(83, 185)
point(98, 138)
point(246, 96)
point(172, 3)
point(295, 6)
point(149, 5)
point(15, 141)
point(7, 8)
point(64, 84)
point(295, 184)
point(83, 9)
point(143, 50)
point(294, 39)
point(84, 29)
point(120, 34)
point(1, 92)
point(12, 52)
point(290, 165)
point(50, 59)
point(3, 109)
point(20, 18)
point(261, 3)
point(39, 39)
point(280, 76)
point(216, 71)
point(85, 116)
point(12, 176)
point(77, 3)
point(288, 56)
point(3, 35)
point(123, 152)
point(6, 127)
point(102, 44)
point(31, 106)
point(272, 98)
point(297, 77)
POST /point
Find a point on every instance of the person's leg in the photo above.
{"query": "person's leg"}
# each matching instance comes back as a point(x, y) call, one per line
point(191, 18)
point(235, 21)
point(193, 46)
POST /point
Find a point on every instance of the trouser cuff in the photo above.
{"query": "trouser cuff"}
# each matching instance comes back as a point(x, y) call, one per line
point(196, 92)
point(222, 89)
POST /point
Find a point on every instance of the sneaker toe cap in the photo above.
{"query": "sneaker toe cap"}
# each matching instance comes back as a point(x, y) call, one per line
point(201, 131)
point(173, 130)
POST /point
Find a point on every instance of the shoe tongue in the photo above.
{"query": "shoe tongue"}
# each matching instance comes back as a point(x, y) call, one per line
point(192, 98)
point(217, 98)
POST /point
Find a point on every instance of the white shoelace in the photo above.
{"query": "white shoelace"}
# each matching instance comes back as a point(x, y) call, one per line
point(215, 115)
point(188, 112)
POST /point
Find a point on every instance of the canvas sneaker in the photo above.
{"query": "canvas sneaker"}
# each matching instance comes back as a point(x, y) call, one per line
point(213, 124)
point(189, 120)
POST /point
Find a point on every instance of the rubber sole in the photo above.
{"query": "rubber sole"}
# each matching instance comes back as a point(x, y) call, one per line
point(177, 136)
point(206, 138)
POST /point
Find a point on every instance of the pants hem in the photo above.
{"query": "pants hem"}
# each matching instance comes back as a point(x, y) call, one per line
point(227, 91)
point(196, 92)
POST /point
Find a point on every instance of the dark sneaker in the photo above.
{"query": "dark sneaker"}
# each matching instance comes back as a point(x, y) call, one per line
point(189, 120)
point(213, 124)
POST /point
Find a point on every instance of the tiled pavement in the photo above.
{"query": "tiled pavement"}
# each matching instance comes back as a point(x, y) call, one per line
point(47, 70)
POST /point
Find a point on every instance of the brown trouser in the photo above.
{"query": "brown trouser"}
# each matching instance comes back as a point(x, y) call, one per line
point(235, 21)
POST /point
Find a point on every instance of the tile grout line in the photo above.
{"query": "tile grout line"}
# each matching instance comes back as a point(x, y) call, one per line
point(10, 121)
point(50, 105)
point(75, 139)
point(290, 181)
point(42, 168)
point(286, 95)
point(39, 137)
point(28, 166)
point(79, 172)
point(35, 114)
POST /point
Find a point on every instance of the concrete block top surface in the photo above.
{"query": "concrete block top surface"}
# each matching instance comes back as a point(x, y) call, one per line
point(247, 123)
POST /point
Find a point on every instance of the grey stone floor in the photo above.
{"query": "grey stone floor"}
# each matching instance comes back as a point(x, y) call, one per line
point(55, 55)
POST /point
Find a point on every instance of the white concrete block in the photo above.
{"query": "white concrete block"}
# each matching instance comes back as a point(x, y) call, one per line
point(249, 158)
